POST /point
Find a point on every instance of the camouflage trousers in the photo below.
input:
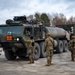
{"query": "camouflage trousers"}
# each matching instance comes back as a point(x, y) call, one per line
point(49, 54)
point(73, 54)
point(31, 56)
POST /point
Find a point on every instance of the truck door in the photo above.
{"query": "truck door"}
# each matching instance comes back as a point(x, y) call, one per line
point(28, 32)
point(39, 33)
point(36, 33)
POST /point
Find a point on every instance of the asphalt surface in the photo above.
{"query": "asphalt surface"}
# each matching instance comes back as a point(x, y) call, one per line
point(62, 65)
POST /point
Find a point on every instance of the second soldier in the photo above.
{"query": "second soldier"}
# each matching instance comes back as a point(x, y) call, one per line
point(30, 46)
point(49, 43)
point(72, 47)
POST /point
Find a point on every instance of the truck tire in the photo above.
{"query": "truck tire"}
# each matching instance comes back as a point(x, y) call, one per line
point(42, 49)
point(65, 46)
point(37, 51)
point(10, 55)
point(21, 53)
point(59, 46)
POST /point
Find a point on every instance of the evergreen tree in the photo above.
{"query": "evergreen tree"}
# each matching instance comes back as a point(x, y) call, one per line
point(46, 19)
point(37, 16)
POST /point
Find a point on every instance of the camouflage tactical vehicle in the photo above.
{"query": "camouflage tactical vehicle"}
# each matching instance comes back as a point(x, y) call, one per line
point(11, 38)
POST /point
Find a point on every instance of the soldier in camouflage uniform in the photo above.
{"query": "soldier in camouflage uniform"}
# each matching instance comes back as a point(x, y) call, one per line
point(30, 46)
point(49, 43)
point(72, 47)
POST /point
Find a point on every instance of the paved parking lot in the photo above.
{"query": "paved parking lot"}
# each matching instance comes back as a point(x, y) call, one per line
point(62, 65)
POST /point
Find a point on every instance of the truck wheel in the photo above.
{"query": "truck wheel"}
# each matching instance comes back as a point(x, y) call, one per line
point(43, 51)
point(10, 55)
point(37, 51)
point(65, 46)
point(60, 46)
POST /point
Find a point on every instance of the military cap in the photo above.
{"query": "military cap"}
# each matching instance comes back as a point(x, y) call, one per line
point(48, 34)
point(31, 37)
point(73, 37)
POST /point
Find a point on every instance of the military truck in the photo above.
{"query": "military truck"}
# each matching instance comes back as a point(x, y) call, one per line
point(11, 38)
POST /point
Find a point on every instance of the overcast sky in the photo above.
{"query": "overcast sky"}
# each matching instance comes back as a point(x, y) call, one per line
point(10, 8)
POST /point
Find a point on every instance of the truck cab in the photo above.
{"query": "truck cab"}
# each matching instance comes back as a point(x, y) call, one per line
point(11, 39)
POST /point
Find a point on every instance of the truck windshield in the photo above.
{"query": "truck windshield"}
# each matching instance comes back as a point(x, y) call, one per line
point(11, 30)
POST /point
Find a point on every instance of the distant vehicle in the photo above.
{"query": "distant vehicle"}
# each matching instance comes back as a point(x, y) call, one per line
point(11, 38)
point(69, 27)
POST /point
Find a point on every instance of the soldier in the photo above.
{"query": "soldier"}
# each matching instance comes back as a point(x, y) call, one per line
point(30, 46)
point(72, 47)
point(49, 43)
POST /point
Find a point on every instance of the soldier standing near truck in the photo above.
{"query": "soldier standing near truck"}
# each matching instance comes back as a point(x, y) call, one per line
point(49, 42)
point(72, 47)
point(30, 46)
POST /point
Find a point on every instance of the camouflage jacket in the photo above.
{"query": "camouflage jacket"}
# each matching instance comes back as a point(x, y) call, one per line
point(71, 44)
point(29, 43)
point(49, 42)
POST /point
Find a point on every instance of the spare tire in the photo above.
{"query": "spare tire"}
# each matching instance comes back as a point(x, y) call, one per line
point(37, 51)
point(43, 51)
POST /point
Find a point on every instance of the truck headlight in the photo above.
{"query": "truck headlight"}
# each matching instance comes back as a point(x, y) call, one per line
point(18, 39)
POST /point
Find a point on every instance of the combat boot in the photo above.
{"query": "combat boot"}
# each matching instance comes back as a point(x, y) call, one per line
point(48, 64)
point(72, 58)
point(30, 62)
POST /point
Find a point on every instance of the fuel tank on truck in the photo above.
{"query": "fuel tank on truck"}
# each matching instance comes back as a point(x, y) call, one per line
point(56, 32)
